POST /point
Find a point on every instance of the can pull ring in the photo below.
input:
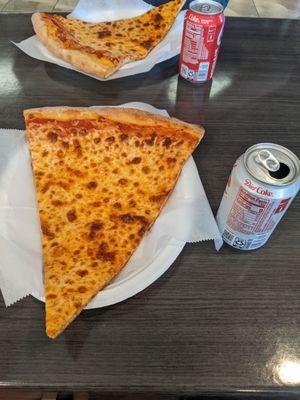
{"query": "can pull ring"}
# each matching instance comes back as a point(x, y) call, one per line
point(267, 160)
point(205, 8)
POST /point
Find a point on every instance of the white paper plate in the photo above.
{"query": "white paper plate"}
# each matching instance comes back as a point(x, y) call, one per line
point(186, 217)
point(121, 289)
point(131, 281)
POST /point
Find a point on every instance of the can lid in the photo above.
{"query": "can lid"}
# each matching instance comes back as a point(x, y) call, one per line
point(272, 164)
point(207, 7)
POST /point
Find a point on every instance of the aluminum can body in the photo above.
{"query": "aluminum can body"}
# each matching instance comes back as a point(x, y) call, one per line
point(257, 195)
point(201, 40)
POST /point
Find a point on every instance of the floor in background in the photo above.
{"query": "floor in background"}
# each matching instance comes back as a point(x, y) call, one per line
point(243, 8)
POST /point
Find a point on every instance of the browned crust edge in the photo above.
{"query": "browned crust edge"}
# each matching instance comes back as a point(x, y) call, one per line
point(118, 114)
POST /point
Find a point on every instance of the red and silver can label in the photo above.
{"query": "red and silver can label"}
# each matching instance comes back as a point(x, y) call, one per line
point(201, 39)
point(262, 185)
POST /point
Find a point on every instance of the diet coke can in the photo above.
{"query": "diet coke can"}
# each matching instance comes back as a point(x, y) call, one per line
point(201, 39)
point(262, 185)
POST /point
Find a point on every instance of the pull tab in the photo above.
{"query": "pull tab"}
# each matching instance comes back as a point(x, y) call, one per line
point(205, 8)
point(267, 160)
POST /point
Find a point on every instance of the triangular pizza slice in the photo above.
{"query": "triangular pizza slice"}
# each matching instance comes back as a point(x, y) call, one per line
point(102, 177)
point(103, 48)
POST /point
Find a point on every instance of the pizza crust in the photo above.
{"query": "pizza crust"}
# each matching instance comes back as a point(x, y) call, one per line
point(85, 45)
point(120, 114)
point(86, 62)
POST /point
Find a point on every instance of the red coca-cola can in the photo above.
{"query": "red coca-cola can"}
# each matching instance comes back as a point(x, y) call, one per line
point(201, 39)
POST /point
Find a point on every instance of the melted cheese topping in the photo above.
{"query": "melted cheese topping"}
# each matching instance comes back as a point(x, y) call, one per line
point(132, 38)
point(100, 186)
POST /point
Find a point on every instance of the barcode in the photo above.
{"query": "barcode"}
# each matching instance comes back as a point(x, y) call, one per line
point(203, 71)
point(227, 236)
point(186, 72)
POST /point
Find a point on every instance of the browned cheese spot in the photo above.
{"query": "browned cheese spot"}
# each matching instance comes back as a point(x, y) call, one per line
point(104, 254)
point(159, 197)
point(82, 289)
point(82, 272)
point(77, 304)
point(92, 185)
point(104, 34)
point(129, 219)
point(52, 136)
point(158, 18)
point(146, 170)
point(65, 144)
point(123, 181)
point(51, 296)
point(94, 228)
point(167, 142)
point(136, 160)
point(110, 139)
point(83, 132)
point(147, 44)
point(171, 160)
point(71, 215)
point(123, 137)
point(47, 232)
point(78, 173)
point(57, 203)
point(150, 141)
point(77, 147)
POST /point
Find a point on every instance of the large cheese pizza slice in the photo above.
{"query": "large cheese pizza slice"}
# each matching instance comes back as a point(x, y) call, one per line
point(102, 176)
point(103, 48)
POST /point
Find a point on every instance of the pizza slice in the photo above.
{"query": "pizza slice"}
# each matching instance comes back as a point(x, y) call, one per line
point(102, 48)
point(102, 177)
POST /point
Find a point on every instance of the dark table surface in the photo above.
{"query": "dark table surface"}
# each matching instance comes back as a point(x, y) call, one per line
point(215, 322)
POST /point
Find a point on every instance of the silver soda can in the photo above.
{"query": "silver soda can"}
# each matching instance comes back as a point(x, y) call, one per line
point(262, 185)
